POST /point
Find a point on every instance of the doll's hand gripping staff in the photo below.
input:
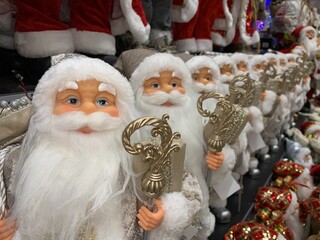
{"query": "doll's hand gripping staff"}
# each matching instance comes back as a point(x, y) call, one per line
point(153, 182)
point(225, 123)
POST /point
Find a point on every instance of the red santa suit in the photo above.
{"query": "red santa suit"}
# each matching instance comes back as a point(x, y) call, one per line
point(41, 32)
point(194, 35)
point(223, 34)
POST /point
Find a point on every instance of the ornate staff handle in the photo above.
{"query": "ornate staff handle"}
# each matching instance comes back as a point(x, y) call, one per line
point(153, 181)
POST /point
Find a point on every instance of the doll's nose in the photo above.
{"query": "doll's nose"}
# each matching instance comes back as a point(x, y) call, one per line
point(88, 107)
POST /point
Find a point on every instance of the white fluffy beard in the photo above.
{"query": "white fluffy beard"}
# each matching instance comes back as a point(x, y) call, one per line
point(68, 180)
point(209, 87)
point(310, 44)
point(226, 78)
point(185, 119)
point(292, 218)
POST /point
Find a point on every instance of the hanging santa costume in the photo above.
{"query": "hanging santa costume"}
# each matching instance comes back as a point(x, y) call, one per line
point(40, 30)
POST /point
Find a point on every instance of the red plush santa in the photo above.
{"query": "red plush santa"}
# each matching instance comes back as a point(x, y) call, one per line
point(307, 37)
point(241, 27)
point(45, 28)
point(193, 34)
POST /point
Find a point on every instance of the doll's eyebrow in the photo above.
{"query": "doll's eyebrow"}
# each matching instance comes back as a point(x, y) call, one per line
point(104, 87)
point(68, 85)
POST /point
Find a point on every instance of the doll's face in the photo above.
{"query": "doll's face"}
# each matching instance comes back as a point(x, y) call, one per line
point(165, 83)
point(291, 60)
point(88, 97)
point(310, 34)
point(273, 61)
point(259, 67)
point(226, 69)
point(242, 66)
point(282, 63)
point(203, 76)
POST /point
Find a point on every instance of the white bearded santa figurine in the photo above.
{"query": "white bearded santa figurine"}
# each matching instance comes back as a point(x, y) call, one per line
point(307, 38)
point(6, 24)
point(293, 176)
point(228, 70)
point(242, 62)
point(311, 130)
point(205, 75)
point(272, 59)
point(162, 84)
point(192, 23)
point(267, 98)
point(87, 26)
point(292, 59)
point(282, 62)
point(273, 205)
point(74, 179)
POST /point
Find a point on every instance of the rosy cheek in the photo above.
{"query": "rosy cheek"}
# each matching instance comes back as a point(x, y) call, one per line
point(61, 109)
point(151, 90)
point(113, 111)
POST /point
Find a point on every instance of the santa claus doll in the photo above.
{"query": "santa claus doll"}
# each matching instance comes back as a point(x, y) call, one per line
point(242, 62)
point(193, 21)
point(272, 59)
point(307, 38)
point(206, 78)
point(162, 84)
point(311, 129)
point(86, 26)
point(74, 180)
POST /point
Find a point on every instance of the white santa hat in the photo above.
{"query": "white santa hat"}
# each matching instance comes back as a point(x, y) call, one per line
point(292, 55)
point(224, 59)
point(73, 69)
point(238, 57)
point(270, 55)
point(198, 62)
point(282, 56)
point(139, 65)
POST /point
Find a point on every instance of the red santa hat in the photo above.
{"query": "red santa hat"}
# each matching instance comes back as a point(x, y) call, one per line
point(300, 31)
point(251, 230)
point(309, 127)
point(198, 62)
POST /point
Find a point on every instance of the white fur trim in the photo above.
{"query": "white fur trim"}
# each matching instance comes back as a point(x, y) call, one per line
point(255, 38)
point(224, 59)
point(185, 13)
point(157, 63)
point(272, 55)
point(7, 42)
point(228, 15)
point(204, 45)
point(43, 43)
point(302, 153)
point(238, 57)
point(228, 164)
point(5, 21)
point(176, 217)
point(186, 45)
point(198, 62)
point(253, 163)
point(94, 42)
point(256, 119)
point(269, 100)
point(312, 129)
point(137, 28)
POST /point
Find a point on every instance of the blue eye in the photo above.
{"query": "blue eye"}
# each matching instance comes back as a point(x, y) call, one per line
point(174, 84)
point(102, 102)
point(155, 85)
point(73, 100)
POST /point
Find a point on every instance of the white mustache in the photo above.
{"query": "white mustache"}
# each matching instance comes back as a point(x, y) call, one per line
point(209, 87)
point(98, 121)
point(160, 97)
point(226, 78)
